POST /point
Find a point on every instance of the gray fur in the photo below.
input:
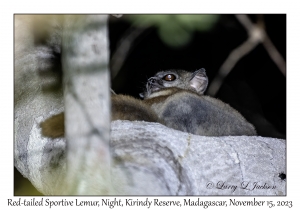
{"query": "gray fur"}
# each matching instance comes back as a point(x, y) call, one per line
point(185, 108)
point(196, 81)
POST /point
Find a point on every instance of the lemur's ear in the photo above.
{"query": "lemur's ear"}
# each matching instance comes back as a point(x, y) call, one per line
point(199, 81)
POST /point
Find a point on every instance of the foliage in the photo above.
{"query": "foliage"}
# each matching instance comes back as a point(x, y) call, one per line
point(175, 30)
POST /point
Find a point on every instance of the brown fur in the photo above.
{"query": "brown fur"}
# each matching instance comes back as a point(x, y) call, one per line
point(128, 108)
point(123, 108)
point(162, 97)
point(54, 127)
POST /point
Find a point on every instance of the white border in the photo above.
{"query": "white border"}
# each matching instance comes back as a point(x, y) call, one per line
point(291, 8)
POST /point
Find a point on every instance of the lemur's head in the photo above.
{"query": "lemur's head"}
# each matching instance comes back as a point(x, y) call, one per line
point(195, 81)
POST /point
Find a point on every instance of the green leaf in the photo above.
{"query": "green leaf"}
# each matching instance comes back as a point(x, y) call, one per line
point(148, 20)
point(174, 35)
point(198, 22)
point(175, 30)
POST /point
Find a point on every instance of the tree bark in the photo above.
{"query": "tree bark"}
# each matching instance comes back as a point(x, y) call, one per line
point(87, 103)
point(151, 159)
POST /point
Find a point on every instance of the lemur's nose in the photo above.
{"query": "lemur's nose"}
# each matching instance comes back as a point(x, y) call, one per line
point(152, 80)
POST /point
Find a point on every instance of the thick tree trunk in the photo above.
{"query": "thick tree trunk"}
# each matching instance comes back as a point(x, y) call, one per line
point(87, 103)
point(151, 159)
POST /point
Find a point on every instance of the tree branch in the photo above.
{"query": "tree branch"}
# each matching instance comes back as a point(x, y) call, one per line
point(124, 46)
point(256, 35)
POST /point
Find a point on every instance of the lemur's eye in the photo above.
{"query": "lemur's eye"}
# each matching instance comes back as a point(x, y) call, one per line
point(169, 77)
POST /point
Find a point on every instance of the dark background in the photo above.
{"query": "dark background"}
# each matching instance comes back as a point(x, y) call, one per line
point(255, 86)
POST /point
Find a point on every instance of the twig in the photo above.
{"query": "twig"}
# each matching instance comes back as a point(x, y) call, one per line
point(230, 62)
point(117, 15)
point(123, 48)
point(275, 55)
point(265, 40)
point(256, 35)
point(112, 92)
